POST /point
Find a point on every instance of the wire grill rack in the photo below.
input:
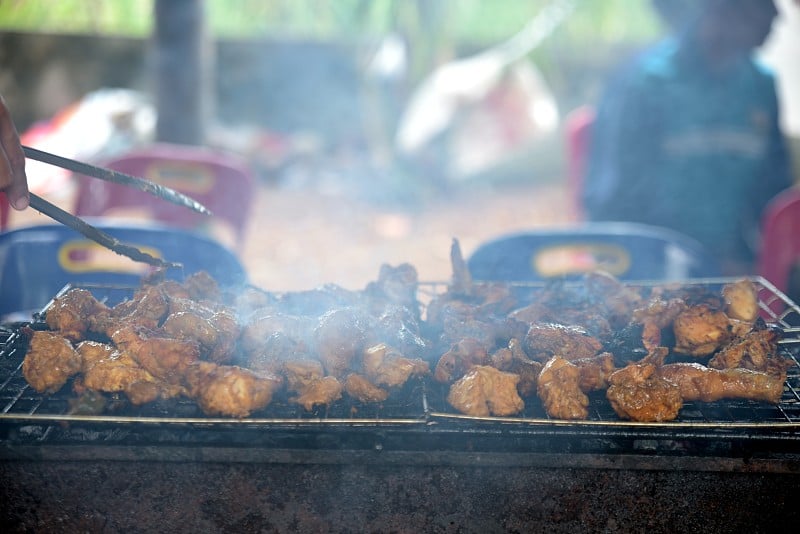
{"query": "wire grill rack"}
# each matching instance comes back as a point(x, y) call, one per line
point(420, 404)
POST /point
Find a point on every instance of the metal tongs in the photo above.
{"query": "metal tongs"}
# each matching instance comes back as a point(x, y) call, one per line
point(96, 235)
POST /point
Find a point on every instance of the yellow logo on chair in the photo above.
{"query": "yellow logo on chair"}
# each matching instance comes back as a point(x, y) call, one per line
point(559, 260)
point(83, 256)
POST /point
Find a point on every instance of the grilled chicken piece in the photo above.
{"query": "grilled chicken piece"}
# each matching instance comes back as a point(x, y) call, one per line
point(485, 391)
point(617, 300)
point(202, 286)
point(228, 389)
point(255, 335)
point(301, 373)
point(700, 330)
point(396, 285)
point(400, 327)
point(385, 366)
point(307, 379)
point(461, 357)
point(339, 337)
point(512, 359)
point(360, 388)
point(50, 361)
point(70, 313)
point(147, 309)
point(545, 340)
point(595, 371)
point(588, 318)
point(216, 334)
point(322, 392)
point(655, 316)
point(560, 392)
point(163, 357)
point(278, 350)
point(741, 300)
point(637, 393)
point(698, 382)
point(755, 351)
point(107, 369)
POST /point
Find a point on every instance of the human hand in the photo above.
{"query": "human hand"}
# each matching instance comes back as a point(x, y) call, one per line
point(13, 180)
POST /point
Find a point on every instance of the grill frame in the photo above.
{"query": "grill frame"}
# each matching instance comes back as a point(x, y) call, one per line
point(430, 429)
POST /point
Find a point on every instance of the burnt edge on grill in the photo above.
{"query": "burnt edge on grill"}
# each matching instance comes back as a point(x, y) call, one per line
point(418, 412)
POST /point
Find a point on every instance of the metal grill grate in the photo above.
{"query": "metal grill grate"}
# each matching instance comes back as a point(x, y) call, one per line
point(420, 403)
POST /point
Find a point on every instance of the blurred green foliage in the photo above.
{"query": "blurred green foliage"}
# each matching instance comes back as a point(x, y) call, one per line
point(478, 22)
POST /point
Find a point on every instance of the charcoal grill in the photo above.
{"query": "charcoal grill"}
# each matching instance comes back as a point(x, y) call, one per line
point(416, 418)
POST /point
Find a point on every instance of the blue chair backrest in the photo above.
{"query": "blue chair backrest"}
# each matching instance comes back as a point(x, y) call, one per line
point(629, 251)
point(38, 261)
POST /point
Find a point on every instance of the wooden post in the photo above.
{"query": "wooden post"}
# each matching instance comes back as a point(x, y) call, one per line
point(183, 71)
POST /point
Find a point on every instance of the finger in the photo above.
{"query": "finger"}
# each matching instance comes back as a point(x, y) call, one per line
point(13, 179)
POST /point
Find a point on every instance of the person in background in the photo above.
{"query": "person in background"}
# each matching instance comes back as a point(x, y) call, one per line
point(688, 136)
point(13, 181)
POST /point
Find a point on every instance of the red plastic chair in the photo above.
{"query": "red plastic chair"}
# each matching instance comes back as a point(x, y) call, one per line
point(780, 246)
point(578, 126)
point(4, 211)
point(222, 182)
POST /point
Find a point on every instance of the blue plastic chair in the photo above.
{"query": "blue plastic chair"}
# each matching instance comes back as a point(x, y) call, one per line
point(629, 251)
point(38, 261)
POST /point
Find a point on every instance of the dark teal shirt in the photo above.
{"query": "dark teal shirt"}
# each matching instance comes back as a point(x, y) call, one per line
point(677, 146)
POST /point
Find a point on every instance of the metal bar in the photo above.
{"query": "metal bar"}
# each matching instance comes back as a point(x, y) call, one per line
point(158, 190)
point(98, 236)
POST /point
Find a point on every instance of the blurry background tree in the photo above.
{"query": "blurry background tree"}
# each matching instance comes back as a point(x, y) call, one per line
point(425, 34)
point(595, 31)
